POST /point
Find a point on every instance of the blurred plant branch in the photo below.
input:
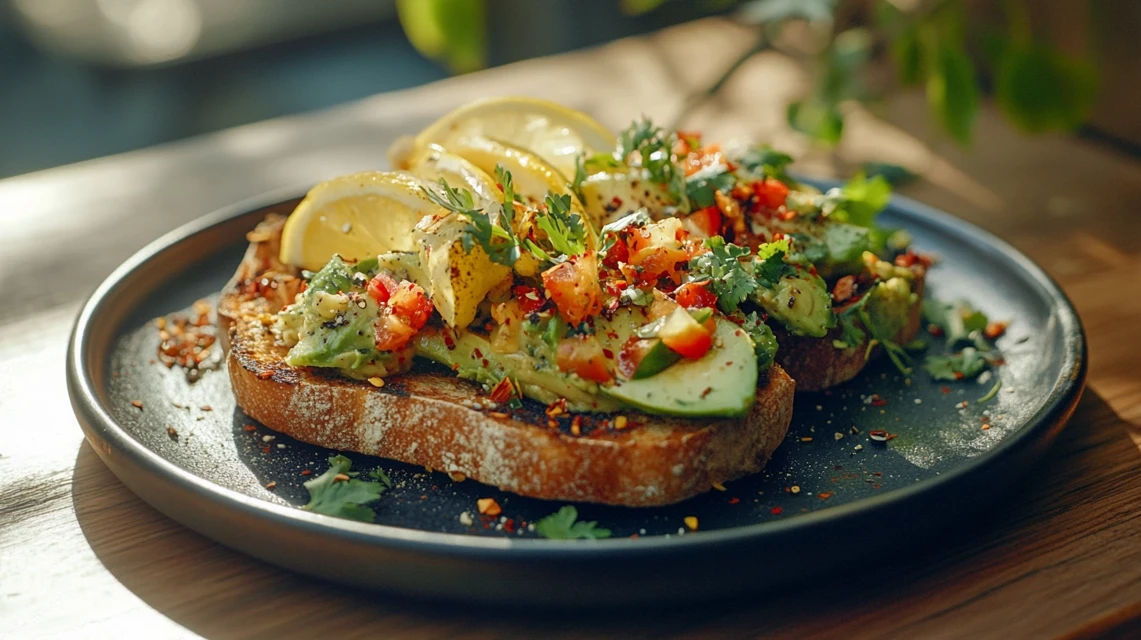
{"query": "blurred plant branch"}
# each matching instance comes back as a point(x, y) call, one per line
point(930, 43)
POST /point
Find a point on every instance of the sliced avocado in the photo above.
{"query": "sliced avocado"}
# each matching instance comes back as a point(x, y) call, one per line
point(721, 383)
point(537, 379)
point(889, 306)
point(658, 357)
point(801, 303)
point(610, 195)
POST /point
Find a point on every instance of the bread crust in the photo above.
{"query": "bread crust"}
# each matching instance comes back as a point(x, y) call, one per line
point(433, 419)
point(816, 364)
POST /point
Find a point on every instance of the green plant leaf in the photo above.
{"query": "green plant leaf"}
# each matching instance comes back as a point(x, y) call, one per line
point(451, 31)
point(907, 52)
point(821, 121)
point(952, 90)
point(763, 11)
point(1039, 89)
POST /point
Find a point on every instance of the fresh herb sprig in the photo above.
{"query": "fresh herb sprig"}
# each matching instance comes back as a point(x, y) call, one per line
point(564, 525)
point(492, 227)
point(968, 353)
point(336, 493)
point(727, 277)
point(652, 148)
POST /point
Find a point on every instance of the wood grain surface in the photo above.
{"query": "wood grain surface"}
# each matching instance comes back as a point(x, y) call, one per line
point(82, 557)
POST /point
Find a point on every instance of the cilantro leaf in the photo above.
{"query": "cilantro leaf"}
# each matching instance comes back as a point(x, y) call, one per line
point(701, 186)
point(342, 498)
point(721, 265)
point(563, 525)
point(653, 147)
point(770, 265)
point(846, 243)
point(966, 364)
point(858, 201)
point(766, 162)
point(497, 237)
point(852, 334)
point(957, 320)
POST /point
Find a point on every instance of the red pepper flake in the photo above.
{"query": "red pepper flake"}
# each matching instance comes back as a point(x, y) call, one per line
point(206, 407)
point(576, 425)
point(824, 495)
point(776, 511)
point(878, 474)
point(265, 375)
point(502, 391)
point(734, 500)
point(170, 431)
point(935, 330)
point(272, 484)
point(877, 401)
point(509, 525)
point(945, 389)
point(265, 449)
point(707, 391)
point(986, 426)
point(138, 404)
point(306, 472)
point(250, 427)
point(878, 435)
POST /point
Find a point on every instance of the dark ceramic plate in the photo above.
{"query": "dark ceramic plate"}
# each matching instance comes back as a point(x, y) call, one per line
point(828, 481)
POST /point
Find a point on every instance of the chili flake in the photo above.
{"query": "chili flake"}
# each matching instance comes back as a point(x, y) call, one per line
point(138, 404)
point(776, 511)
point(824, 495)
point(878, 435)
point(272, 484)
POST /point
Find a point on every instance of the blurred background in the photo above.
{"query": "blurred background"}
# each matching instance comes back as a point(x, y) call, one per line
point(81, 79)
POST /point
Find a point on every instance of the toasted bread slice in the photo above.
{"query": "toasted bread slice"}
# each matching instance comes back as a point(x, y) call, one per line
point(816, 364)
point(431, 418)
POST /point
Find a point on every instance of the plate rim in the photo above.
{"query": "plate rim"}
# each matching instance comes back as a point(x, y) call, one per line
point(99, 423)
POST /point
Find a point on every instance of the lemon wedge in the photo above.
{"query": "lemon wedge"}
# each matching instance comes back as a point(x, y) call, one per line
point(357, 216)
point(549, 130)
point(433, 163)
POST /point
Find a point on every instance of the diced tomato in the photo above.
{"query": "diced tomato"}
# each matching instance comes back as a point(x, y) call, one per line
point(574, 287)
point(708, 220)
point(685, 336)
point(616, 254)
point(381, 287)
point(392, 334)
point(771, 193)
point(658, 262)
point(410, 304)
point(706, 156)
point(530, 299)
point(583, 355)
point(695, 295)
point(844, 289)
point(631, 355)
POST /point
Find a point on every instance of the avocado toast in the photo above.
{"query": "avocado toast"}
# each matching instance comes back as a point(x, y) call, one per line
point(617, 337)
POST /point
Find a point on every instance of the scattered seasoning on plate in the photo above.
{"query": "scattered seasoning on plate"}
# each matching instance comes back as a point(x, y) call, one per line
point(794, 489)
point(776, 511)
point(272, 484)
point(249, 427)
point(878, 435)
point(306, 472)
point(691, 522)
point(734, 500)
point(824, 495)
point(806, 439)
point(206, 407)
point(138, 404)
point(488, 507)
point(718, 486)
point(172, 432)
point(465, 519)
point(837, 436)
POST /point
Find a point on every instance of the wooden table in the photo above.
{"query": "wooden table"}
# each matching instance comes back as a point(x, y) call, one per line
point(82, 557)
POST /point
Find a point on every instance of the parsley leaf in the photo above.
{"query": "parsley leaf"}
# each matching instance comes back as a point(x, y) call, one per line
point(766, 162)
point(562, 525)
point(851, 333)
point(846, 243)
point(721, 265)
point(345, 498)
point(968, 363)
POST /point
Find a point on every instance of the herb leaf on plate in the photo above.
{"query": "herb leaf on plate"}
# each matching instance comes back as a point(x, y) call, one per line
point(335, 493)
point(564, 525)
